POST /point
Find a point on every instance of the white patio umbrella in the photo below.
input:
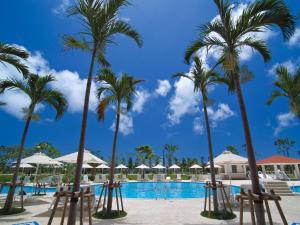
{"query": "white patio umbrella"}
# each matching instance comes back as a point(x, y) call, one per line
point(24, 166)
point(159, 167)
point(174, 166)
point(121, 167)
point(86, 166)
point(88, 157)
point(142, 168)
point(102, 166)
point(40, 159)
point(195, 167)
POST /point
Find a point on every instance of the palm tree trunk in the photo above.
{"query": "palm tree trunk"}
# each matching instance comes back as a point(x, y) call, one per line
point(76, 186)
point(10, 195)
point(112, 166)
point(211, 160)
point(258, 205)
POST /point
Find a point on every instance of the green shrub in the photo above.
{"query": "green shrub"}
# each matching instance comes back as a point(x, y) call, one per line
point(132, 177)
point(6, 177)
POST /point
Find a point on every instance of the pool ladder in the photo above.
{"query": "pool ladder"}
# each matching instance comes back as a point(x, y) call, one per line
point(161, 190)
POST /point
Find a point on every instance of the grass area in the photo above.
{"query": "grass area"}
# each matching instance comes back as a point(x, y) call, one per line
point(11, 211)
point(113, 215)
point(218, 215)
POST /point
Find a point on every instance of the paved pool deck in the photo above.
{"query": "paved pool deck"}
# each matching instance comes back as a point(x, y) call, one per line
point(153, 212)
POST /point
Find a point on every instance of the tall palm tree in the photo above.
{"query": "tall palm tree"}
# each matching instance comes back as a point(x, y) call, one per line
point(37, 89)
point(101, 23)
point(288, 85)
point(171, 149)
point(119, 93)
point(202, 79)
point(229, 35)
point(13, 55)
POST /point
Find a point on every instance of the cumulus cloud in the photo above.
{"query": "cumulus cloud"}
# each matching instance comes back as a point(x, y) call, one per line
point(163, 88)
point(198, 126)
point(290, 64)
point(68, 82)
point(62, 7)
point(184, 101)
point(295, 39)
point(141, 97)
point(126, 124)
point(284, 120)
point(222, 113)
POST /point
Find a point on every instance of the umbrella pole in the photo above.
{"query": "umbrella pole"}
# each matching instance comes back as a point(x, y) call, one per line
point(36, 172)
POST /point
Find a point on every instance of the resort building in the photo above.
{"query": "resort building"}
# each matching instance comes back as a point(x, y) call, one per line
point(275, 163)
point(233, 166)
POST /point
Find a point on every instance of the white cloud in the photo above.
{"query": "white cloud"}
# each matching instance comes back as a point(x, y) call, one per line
point(126, 124)
point(198, 126)
point(284, 120)
point(291, 65)
point(223, 112)
point(295, 39)
point(184, 101)
point(69, 83)
point(163, 88)
point(62, 7)
point(141, 97)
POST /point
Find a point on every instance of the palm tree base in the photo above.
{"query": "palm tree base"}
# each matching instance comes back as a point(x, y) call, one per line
point(114, 214)
point(12, 211)
point(221, 215)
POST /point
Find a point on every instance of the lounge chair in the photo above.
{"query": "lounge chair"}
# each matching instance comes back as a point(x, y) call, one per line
point(26, 180)
point(85, 179)
point(97, 178)
point(139, 177)
point(178, 177)
point(146, 177)
point(103, 178)
point(123, 178)
point(193, 178)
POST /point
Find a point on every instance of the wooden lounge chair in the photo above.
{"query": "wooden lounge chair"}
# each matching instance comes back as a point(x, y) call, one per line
point(178, 177)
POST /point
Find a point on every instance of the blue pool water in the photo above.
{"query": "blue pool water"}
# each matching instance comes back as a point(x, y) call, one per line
point(150, 190)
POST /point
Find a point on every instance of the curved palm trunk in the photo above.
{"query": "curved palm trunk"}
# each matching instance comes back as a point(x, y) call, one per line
point(211, 160)
point(10, 195)
point(258, 205)
point(76, 186)
point(112, 166)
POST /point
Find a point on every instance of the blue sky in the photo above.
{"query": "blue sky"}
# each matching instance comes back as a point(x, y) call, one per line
point(165, 110)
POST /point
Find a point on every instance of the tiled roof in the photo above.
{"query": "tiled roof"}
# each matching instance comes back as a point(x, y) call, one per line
point(278, 159)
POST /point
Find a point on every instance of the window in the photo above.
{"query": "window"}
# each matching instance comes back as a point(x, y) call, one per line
point(234, 168)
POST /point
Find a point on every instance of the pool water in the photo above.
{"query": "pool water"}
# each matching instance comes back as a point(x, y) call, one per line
point(151, 190)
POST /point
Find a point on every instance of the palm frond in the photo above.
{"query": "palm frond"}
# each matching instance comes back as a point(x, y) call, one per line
point(71, 42)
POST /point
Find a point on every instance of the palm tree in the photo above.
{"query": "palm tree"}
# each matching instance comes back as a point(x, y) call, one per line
point(118, 92)
point(230, 35)
point(202, 79)
point(288, 85)
point(171, 149)
point(100, 23)
point(37, 89)
point(13, 55)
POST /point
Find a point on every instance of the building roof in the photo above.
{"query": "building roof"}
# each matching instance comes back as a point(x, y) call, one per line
point(228, 157)
point(278, 159)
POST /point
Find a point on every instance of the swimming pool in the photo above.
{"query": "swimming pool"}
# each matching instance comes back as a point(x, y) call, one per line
point(151, 190)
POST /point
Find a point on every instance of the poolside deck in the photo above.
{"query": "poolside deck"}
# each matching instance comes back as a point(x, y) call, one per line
point(154, 212)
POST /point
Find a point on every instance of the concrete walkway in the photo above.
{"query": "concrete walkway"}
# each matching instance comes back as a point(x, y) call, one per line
point(154, 212)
